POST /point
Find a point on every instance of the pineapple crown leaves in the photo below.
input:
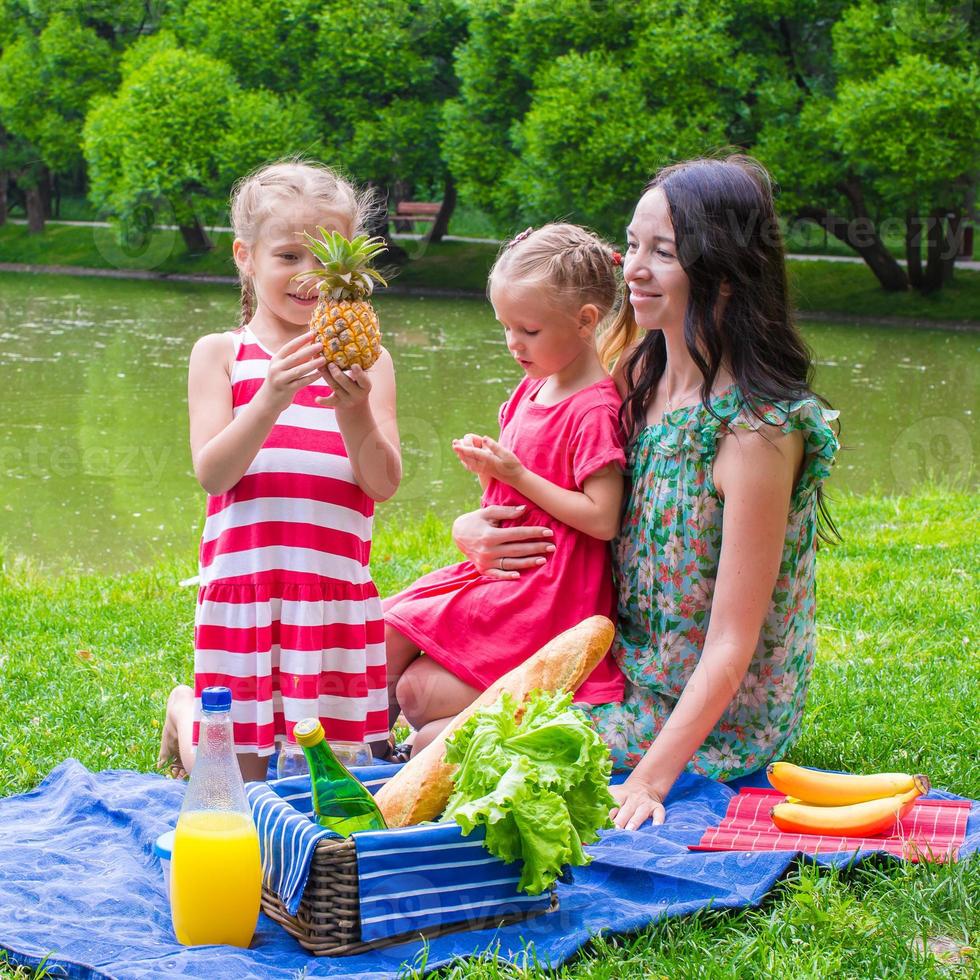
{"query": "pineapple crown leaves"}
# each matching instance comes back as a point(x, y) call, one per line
point(347, 272)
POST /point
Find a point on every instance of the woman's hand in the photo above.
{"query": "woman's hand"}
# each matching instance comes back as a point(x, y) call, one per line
point(487, 458)
point(638, 802)
point(501, 552)
point(295, 365)
point(350, 389)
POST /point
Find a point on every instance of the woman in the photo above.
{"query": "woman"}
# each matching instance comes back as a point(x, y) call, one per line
point(728, 449)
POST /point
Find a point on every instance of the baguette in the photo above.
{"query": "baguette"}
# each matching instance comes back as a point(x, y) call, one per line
point(422, 787)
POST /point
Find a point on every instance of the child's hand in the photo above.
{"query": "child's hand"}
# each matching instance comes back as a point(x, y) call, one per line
point(469, 441)
point(486, 457)
point(295, 365)
point(350, 388)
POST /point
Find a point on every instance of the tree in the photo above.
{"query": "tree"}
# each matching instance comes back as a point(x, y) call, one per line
point(567, 108)
point(375, 74)
point(59, 35)
point(267, 44)
point(46, 84)
point(601, 123)
point(882, 129)
point(861, 109)
point(512, 49)
point(177, 133)
point(906, 109)
point(379, 91)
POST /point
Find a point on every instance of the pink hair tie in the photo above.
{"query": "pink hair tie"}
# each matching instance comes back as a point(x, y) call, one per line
point(517, 239)
point(617, 258)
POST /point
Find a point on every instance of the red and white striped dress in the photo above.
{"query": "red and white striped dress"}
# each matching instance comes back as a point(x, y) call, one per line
point(287, 614)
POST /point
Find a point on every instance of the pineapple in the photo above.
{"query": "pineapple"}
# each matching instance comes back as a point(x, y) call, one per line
point(343, 318)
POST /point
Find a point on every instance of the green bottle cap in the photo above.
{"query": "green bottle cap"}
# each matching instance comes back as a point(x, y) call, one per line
point(308, 732)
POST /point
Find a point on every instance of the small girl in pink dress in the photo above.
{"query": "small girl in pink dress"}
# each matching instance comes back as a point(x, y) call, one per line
point(560, 456)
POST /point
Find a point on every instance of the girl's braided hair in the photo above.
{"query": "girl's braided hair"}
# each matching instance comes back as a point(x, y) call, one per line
point(263, 194)
point(577, 265)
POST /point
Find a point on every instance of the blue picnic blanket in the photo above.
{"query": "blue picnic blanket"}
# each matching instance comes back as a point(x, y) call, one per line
point(81, 890)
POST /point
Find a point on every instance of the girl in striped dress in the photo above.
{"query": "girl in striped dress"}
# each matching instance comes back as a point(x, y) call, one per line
point(293, 455)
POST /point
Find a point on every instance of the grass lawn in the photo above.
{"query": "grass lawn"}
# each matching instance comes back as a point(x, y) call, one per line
point(835, 288)
point(849, 289)
point(87, 663)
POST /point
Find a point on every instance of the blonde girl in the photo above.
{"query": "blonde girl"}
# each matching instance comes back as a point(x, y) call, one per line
point(293, 455)
point(559, 460)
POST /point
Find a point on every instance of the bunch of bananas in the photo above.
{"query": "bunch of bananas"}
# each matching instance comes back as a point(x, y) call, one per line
point(841, 804)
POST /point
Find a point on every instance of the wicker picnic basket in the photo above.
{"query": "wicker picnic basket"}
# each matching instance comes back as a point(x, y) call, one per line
point(328, 923)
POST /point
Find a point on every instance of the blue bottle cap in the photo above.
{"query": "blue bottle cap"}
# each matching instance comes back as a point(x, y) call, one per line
point(216, 699)
point(163, 846)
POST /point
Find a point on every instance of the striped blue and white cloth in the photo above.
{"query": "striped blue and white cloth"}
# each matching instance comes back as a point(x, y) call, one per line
point(409, 877)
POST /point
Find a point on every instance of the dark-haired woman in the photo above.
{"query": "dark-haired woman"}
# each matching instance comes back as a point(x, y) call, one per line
point(728, 448)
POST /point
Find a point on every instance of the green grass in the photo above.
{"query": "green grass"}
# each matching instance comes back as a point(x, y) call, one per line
point(20, 972)
point(98, 248)
point(851, 290)
point(832, 288)
point(87, 662)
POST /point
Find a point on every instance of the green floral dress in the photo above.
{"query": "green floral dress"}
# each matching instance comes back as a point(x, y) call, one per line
point(665, 562)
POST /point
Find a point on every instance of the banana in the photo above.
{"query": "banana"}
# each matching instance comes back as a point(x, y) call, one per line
point(839, 789)
point(865, 819)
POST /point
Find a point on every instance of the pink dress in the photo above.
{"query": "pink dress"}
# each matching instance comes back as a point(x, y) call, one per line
point(479, 628)
point(287, 614)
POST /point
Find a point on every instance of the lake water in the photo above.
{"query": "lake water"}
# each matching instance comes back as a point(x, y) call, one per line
point(95, 470)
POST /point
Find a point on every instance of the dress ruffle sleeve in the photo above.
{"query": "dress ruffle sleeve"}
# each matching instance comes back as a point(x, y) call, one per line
point(820, 445)
point(700, 432)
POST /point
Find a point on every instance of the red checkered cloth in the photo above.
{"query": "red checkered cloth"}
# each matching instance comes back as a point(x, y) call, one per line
point(932, 831)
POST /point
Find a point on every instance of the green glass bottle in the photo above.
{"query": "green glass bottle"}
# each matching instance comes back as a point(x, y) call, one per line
point(341, 803)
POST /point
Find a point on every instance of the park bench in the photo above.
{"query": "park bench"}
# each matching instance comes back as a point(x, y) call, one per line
point(410, 211)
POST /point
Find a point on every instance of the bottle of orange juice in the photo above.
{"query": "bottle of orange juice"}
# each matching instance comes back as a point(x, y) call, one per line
point(216, 871)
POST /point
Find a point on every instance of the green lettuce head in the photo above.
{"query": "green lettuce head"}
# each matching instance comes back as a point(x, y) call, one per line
point(540, 786)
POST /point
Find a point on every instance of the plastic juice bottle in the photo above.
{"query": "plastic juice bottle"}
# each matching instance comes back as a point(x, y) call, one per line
point(291, 761)
point(341, 803)
point(216, 870)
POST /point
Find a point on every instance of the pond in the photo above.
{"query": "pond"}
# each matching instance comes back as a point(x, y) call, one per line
point(95, 471)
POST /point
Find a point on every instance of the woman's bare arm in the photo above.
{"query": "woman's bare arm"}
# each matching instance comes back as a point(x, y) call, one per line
point(755, 472)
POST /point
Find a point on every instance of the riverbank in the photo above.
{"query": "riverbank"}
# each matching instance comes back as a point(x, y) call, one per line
point(841, 290)
point(88, 661)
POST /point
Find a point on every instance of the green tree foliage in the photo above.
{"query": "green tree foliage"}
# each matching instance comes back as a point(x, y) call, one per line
point(58, 54)
point(566, 109)
point(880, 127)
point(508, 42)
point(46, 83)
point(175, 135)
point(116, 21)
point(375, 74)
point(865, 111)
point(268, 44)
point(576, 114)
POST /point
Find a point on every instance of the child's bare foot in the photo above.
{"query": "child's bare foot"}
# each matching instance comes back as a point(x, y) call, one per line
point(180, 717)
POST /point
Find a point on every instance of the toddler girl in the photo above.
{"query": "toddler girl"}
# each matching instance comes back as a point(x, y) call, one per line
point(293, 456)
point(560, 456)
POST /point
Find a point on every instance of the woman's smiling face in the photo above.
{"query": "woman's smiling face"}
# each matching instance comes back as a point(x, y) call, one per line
point(658, 285)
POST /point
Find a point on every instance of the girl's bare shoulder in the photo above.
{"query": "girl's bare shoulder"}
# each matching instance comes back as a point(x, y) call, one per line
point(213, 350)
